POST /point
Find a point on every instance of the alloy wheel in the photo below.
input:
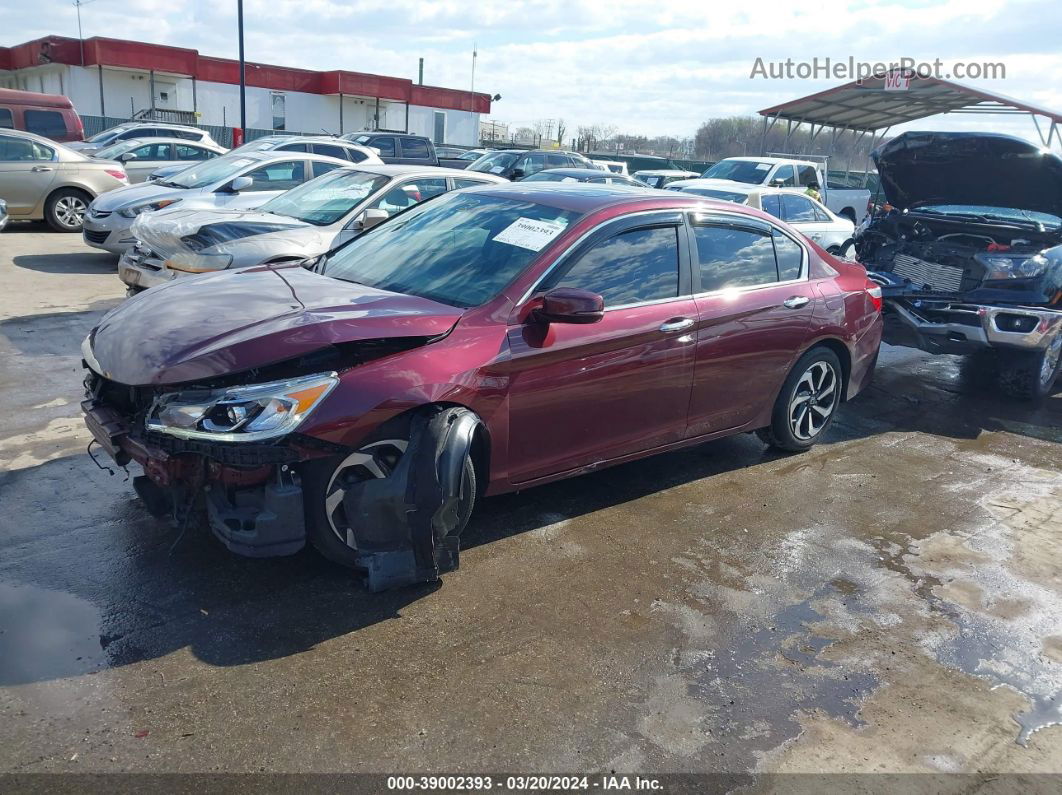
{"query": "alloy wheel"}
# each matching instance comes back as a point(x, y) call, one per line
point(1051, 357)
point(375, 460)
point(814, 400)
point(70, 211)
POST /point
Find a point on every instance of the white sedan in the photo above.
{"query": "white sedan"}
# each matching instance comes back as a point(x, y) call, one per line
point(811, 218)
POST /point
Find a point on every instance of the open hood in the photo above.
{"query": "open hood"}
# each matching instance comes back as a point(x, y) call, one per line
point(969, 168)
point(220, 324)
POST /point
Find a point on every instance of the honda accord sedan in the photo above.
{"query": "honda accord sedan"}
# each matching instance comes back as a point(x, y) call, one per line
point(488, 340)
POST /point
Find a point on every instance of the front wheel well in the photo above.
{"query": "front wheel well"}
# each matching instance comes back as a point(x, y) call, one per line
point(843, 355)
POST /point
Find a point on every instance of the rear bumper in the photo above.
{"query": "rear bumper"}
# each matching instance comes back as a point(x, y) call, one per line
point(952, 327)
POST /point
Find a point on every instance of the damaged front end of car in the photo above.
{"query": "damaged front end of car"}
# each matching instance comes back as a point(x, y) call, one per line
point(228, 436)
point(968, 248)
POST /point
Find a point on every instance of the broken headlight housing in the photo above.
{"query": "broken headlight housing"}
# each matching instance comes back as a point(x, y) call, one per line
point(240, 414)
point(1012, 266)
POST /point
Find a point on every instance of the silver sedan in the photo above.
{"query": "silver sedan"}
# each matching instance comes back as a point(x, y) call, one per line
point(141, 156)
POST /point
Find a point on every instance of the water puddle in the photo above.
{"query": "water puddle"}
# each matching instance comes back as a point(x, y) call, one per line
point(46, 634)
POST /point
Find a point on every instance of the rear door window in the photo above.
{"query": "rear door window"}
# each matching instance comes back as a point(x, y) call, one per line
point(415, 147)
point(284, 175)
point(331, 150)
point(188, 135)
point(385, 145)
point(19, 150)
point(320, 167)
point(790, 256)
point(185, 152)
point(808, 176)
point(408, 194)
point(798, 209)
point(7, 121)
point(558, 161)
point(49, 123)
point(152, 152)
point(772, 204)
point(732, 255)
point(632, 267)
point(469, 183)
point(292, 148)
point(532, 163)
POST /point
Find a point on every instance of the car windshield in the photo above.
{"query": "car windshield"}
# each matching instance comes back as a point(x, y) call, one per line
point(112, 151)
point(325, 200)
point(210, 172)
point(751, 172)
point(106, 136)
point(460, 249)
point(1000, 213)
point(494, 162)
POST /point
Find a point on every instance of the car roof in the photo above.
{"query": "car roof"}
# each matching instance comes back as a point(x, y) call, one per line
point(709, 183)
point(579, 172)
point(163, 140)
point(128, 125)
point(663, 172)
point(318, 139)
point(772, 160)
point(397, 170)
point(269, 154)
point(384, 132)
point(583, 198)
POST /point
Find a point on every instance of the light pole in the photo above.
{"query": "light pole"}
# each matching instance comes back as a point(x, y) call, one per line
point(243, 72)
point(80, 38)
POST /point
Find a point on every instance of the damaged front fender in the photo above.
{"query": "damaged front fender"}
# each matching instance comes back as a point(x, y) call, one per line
point(406, 527)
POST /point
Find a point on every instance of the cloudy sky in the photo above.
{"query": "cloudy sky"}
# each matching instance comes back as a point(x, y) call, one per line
point(649, 68)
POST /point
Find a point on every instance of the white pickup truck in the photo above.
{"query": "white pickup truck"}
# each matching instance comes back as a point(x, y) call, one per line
point(785, 172)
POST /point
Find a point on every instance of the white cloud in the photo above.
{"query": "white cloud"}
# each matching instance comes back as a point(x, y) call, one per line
point(647, 69)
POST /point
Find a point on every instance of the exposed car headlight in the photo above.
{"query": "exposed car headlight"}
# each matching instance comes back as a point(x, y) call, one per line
point(240, 414)
point(192, 262)
point(136, 209)
point(1015, 266)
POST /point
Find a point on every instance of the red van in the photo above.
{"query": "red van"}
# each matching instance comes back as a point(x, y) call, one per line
point(50, 115)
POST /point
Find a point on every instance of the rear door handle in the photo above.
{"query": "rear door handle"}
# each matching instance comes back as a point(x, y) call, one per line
point(677, 324)
point(42, 168)
point(796, 301)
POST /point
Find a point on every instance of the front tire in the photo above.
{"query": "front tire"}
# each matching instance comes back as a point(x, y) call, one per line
point(1031, 375)
point(325, 481)
point(807, 402)
point(65, 210)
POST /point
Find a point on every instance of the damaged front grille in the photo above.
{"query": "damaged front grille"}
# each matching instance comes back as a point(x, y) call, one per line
point(932, 275)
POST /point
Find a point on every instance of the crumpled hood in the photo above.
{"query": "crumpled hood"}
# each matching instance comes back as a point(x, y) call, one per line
point(218, 324)
point(134, 194)
point(969, 168)
point(194, 231)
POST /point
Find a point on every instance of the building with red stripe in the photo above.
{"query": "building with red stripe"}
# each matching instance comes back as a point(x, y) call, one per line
point(116, 78)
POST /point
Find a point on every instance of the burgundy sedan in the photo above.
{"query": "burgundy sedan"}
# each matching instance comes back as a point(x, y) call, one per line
point(489, 340)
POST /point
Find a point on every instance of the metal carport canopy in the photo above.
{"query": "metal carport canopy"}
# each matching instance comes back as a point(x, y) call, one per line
point(866, 106)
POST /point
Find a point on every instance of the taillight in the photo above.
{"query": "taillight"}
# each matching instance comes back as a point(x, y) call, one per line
point(117, 173)
point(874, 292)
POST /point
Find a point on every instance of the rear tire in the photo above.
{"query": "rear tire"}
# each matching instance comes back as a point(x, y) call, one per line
point(1031, 375)
point(807, 402)
point(65, 209)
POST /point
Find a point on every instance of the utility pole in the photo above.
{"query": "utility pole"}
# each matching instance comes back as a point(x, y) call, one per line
point(243, 71)
point(474, 55)
point(80, 38)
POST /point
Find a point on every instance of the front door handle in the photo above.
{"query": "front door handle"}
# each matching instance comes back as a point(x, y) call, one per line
point(796, 301)
point(42, 168)
point(677, 324)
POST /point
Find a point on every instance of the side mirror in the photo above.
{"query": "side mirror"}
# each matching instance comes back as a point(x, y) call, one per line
point(240, 183)
point(125, 158)
point(372, 217)
point(570, 305)
point(779, 181)
point(518, 173)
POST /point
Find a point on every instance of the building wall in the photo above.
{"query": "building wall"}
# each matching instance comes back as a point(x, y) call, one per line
point(128, 91)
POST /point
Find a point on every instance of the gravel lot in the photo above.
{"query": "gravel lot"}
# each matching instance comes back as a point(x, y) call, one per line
point(891, 600)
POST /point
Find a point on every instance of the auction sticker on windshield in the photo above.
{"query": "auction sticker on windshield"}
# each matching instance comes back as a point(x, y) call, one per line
point(529, 233)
